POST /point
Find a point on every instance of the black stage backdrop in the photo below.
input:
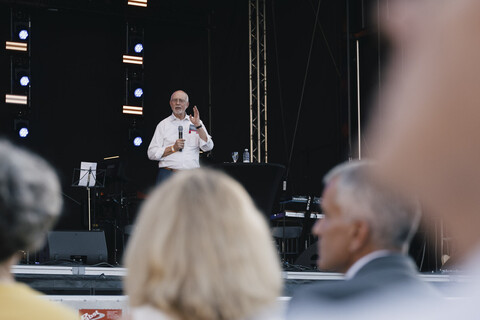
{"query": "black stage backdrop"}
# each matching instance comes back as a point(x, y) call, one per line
point(78, 79)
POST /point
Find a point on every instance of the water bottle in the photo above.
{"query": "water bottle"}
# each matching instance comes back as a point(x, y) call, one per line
point(246, 156)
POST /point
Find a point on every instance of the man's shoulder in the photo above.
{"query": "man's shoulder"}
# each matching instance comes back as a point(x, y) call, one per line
point(165, 121)
point(390, 286)
point(170, 118)
point(397, 267)
point(391, 276)
point(331, 289)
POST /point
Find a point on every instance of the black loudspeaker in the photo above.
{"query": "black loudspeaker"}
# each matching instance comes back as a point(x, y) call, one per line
point(309, 257)
point(86, 247)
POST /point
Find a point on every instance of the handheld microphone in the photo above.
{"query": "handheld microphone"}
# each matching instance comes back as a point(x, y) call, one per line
point(180, 134)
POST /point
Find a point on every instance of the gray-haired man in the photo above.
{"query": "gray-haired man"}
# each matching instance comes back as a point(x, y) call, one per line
point(178, 139)
point(365, 234)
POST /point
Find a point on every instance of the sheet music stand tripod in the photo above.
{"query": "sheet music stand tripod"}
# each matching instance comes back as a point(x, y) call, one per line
point(92, 177)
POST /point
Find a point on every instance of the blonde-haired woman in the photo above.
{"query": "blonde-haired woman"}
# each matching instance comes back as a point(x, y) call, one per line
point(201, 250)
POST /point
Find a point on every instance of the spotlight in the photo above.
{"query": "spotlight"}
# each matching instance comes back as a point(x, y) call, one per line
point(138, 92)
point(138, 48)
point(135, 86)
point(23, 34)
point(23, 132)
point(21, 75)
point(24, 81)
point(137, 142)
point(135, 135)
point(21, 128)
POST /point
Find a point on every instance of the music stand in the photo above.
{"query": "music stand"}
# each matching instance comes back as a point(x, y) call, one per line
point(89, 176)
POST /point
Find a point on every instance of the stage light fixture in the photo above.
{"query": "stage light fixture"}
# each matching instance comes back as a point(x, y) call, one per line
point(24, 81)
point(23, 132)
point(16, 99)
point(20, 23)
point(138, 3)
point(138, 48)
point(23, 34)
point(133, 110)
point(20, 79)
point(21, 127)
point(138, 92)
point(135, 135)
point(137, 141)
point(17, 46)
point(132, 59)
point(135, 39)
point(134, 87)
point(112, 157)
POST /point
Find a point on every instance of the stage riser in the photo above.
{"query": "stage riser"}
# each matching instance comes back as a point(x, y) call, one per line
point(54, 280)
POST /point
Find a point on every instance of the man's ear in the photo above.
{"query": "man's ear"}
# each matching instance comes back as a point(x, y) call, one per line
point(360, 235)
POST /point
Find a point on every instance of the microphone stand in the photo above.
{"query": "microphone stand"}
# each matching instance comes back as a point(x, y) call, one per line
point(89, 199)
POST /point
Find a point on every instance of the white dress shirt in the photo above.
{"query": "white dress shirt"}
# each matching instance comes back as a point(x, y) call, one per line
point(166, 134)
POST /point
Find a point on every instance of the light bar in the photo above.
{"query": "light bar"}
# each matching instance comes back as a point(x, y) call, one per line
point(18, 46)
point(133, 110)
point(112, 157)
point(16, 99)
point(138, 3)
point(132, 59)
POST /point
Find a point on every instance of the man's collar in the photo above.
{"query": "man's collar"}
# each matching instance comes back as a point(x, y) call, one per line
point(360, 263)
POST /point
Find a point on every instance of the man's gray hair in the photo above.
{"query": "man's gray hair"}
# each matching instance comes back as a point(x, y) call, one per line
point(392, 218)
point(30, 200)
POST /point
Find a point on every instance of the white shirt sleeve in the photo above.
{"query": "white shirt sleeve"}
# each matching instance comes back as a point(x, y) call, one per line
point(206, 145)
point(156, 148)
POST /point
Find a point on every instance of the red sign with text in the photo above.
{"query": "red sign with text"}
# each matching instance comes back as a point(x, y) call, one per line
point(97, 314)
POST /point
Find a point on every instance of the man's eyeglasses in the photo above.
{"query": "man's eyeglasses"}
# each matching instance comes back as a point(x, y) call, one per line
point(178, 100)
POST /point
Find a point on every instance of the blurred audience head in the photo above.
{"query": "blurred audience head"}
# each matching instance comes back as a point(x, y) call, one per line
point(361, 216)
point(201, 250)
point(30, 200)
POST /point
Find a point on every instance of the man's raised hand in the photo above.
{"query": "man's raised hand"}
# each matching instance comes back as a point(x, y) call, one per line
point(196, 117)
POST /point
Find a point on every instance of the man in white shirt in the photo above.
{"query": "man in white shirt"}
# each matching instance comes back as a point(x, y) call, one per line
point(365, 234)
point(178, 139)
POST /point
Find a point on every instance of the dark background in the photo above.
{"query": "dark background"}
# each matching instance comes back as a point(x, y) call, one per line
point(77, 89)
point(77, 85)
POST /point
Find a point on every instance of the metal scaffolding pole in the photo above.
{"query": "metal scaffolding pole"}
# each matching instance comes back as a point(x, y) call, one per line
point(258, 80)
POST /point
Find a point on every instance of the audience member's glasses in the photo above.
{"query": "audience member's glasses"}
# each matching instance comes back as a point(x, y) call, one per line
point(178, 100)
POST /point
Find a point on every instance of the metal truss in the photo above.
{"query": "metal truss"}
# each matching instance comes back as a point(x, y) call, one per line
point(258, 81)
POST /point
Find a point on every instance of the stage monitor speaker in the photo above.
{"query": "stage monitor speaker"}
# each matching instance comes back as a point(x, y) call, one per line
point(85, 247)
point(309, 257)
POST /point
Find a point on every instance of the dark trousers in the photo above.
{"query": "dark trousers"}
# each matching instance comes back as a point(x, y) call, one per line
point(163, 174)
